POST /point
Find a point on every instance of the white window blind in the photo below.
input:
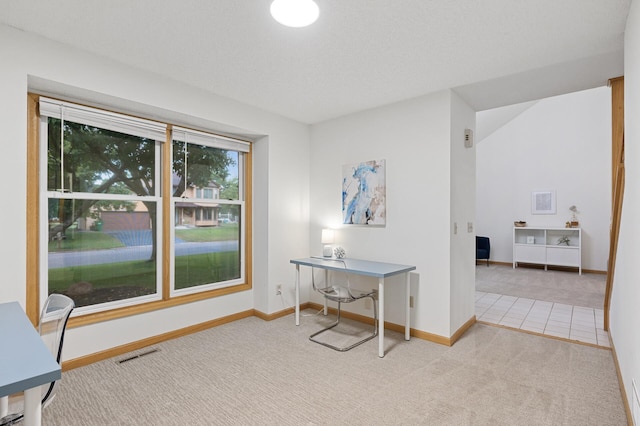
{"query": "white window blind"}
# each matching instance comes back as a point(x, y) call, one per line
point(207, 139)
point(103, 119)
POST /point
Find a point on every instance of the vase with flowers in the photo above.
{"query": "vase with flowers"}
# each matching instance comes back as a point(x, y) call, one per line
point(574, 217)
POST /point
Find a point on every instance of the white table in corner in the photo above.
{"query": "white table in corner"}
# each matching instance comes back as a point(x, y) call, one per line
point(379, 270)
point(25, 362)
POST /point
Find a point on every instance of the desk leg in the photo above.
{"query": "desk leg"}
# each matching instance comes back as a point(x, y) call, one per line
point(32, 407)
point(407, 309)
point(4, 406)
point(381, 317)
point(297, 294)
point(326, 284)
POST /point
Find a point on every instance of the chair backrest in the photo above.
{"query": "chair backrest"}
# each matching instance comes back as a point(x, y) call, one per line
point(53, 323)
point(483, 243)
point(335, 291)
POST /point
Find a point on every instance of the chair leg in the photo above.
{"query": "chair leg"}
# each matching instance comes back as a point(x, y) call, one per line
point(346, 348)
point(325, 329)
point(375, 315)
point(4, 406)
point(487, 262)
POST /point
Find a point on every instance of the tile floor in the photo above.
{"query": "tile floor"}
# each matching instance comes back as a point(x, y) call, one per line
point(546, 318)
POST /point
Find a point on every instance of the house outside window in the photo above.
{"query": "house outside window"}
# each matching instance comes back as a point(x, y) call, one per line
point(101, 209)
point(206, 161)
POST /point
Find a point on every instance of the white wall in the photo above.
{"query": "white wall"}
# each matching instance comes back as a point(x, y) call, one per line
point(280, 175)
point(625, 299)
point(563, 144)
point(414, 137)
point(463, 213)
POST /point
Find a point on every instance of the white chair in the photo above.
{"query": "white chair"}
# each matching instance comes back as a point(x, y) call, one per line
point(53, 323)
point(344, 294)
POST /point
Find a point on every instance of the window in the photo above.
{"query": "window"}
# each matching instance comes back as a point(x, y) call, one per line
point(102, 202)
point(205, 161)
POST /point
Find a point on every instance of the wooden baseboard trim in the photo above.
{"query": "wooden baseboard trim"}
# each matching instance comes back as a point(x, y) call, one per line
point(495, 262)
point(623, 392)
point(129, 347)
point(463, 329)
point(447, 341)
point(279, 314)
point(594, 271)
point(133, 346)
point(350, 315)
point(435, 338)
point(537, 266)
point(275, 315)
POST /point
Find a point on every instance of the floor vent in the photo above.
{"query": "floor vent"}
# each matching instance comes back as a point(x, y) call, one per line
point(149, 352)
point(635, 403)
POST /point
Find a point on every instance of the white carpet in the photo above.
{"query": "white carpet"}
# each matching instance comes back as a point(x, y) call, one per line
point(570, 288)
point(253, 372)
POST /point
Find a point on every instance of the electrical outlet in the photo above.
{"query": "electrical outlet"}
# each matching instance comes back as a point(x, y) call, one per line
point(279, 289)
point(411, 301)
point(469, 226)
point(367, 303)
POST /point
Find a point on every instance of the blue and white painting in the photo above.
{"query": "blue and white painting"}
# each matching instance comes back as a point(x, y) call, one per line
point(364, 194)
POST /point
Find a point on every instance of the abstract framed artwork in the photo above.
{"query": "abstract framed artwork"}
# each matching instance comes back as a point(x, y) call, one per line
point(364, 193)
point(543, 202)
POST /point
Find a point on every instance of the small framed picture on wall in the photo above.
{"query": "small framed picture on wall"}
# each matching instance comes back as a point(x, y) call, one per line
point(543, 202)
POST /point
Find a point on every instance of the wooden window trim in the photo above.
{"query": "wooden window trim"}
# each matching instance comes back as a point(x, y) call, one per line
point(33, 232)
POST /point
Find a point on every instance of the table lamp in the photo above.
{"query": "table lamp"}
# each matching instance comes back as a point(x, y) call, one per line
point(327, 240)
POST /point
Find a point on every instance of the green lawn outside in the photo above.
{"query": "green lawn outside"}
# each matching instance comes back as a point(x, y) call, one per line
point(206, 268)
point(190, 271)
point(140, 273)
point(205, 234)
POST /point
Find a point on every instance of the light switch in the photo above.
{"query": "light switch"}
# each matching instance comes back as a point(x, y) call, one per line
point(469, 226)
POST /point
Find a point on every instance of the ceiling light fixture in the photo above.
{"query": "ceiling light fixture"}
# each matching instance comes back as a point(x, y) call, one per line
point(295, 13)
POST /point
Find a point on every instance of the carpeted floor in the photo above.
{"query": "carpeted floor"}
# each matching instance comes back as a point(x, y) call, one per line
point(585, 290)
point(252, 372)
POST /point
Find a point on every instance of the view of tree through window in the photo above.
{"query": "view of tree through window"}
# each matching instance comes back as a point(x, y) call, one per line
point(101, 249)
point(102, 197)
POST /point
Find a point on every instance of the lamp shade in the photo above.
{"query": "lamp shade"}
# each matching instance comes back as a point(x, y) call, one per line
point(327, 236)
point(295, 13)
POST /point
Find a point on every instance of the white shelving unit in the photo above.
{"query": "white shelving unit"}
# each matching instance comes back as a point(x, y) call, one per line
point(543, 246)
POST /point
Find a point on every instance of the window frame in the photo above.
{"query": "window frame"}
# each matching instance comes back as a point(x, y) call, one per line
point(165, 221)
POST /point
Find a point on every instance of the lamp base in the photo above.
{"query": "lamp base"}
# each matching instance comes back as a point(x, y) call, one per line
point(326, 250)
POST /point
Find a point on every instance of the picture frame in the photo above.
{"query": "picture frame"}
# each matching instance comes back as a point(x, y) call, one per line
point(543, 202)
point(364, 193)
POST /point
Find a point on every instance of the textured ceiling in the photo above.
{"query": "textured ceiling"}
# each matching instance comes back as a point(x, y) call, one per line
point(358, 55)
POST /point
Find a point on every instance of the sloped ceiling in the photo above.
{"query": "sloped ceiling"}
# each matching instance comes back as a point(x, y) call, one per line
point(360, 54)
point(490, 120)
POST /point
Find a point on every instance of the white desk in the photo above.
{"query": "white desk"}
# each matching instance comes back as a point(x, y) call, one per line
point(25, 362)
point(378, 270)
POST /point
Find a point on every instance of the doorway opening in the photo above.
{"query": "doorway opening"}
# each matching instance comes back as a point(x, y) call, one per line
point(560, 145)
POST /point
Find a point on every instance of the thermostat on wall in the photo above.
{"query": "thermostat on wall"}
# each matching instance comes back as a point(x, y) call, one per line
point(468, 138)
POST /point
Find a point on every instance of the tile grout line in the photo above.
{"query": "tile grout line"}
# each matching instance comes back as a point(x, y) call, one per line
point(507, 309)
point(546, 320)
point(491, 306)
point(548, 316)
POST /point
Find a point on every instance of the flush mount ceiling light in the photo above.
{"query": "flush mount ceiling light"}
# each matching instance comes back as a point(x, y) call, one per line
point(295, 13)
